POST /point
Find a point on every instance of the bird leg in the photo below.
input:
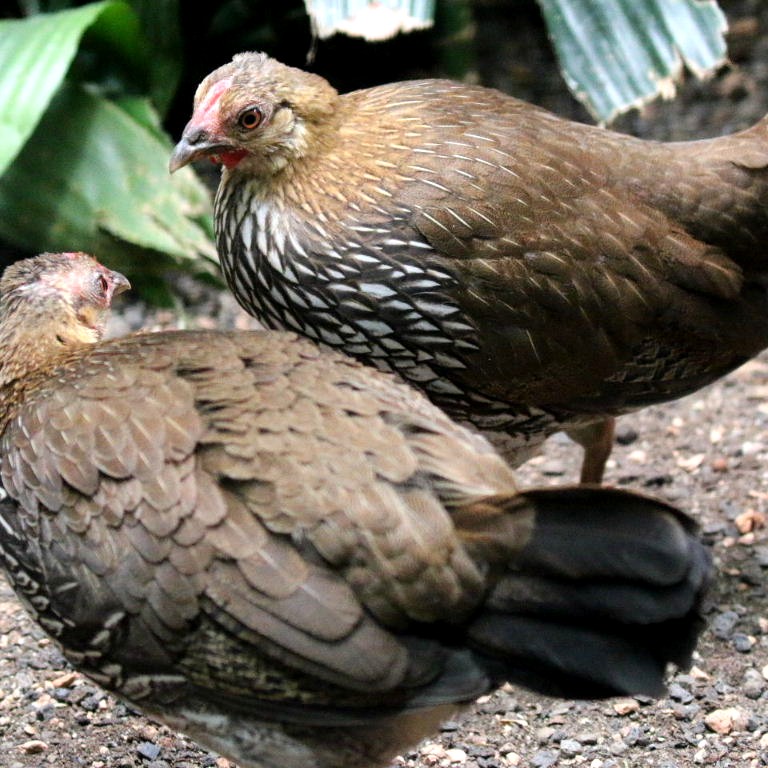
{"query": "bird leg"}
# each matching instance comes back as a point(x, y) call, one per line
point(596, 438)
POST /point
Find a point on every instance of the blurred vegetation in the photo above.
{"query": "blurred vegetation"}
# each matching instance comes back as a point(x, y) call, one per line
point(92, 92)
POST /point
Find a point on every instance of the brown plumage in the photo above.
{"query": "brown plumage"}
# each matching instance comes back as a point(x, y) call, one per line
point(527, 272)
point(293, 557)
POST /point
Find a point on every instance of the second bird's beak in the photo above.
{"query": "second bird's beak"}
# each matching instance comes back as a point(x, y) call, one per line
point(120, 283)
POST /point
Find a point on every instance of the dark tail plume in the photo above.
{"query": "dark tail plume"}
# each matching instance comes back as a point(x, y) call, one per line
point(605, 594)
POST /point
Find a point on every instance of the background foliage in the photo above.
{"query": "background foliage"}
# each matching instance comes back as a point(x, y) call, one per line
point(92, 92)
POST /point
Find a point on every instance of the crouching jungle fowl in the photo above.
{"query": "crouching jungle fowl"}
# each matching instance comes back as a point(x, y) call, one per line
point(528, 273)
point(294, 558)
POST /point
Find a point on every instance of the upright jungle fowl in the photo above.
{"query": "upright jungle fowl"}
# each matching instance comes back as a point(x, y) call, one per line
point(294, 558)
point(528, 273)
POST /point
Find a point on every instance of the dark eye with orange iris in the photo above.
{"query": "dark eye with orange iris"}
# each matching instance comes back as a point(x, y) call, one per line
point(250, 118)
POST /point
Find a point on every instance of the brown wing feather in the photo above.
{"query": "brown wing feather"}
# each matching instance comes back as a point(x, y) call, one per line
point(287, 511)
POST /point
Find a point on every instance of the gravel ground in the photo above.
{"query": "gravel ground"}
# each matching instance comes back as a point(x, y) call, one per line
point(706, 453)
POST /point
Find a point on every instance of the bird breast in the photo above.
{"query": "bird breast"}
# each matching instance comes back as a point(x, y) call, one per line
point(344, 283)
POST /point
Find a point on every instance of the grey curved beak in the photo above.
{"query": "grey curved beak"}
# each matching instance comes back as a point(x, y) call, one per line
point(183, 154)
point(194, 143)
point(120, 283)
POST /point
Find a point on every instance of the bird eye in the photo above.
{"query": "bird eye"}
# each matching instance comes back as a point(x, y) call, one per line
point(250, 118)
point(101, 285)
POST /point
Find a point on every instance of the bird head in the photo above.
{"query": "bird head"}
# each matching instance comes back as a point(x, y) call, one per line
point(61, 298)
point(256, 112)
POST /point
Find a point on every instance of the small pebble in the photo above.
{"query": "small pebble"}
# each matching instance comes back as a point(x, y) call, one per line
point(544, 758)
point(636, 737)
point(148, 751)
point(625, 435)
point(618, 748)
point(691, 463)
point(694, 673)
point(625, 706)
point(678, 693)
point(570, 748)
point(750, 520)
point(719, 464)
point(685, 711)
point(723, 721)
point(544, 734)
point(91, 703)
point(456, 756)
point(724, 623)
point(65, 681)
point(62, 694)
point(742, 643)
point(480, 751)
point(33, 747)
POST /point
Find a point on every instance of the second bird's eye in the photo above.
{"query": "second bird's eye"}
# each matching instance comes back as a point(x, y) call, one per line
point(100, 286)
point(250, 118)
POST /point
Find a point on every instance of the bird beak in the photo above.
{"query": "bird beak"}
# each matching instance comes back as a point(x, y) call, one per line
point(195, 142)
point(120, 283)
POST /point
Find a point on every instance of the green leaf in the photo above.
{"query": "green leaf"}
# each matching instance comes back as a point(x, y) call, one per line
point(102, 185)
point(619, 54)
point(35, 54)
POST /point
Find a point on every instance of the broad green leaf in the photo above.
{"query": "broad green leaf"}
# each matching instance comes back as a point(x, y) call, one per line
point(618, 54)
point(35, 54)
point(143, 112)
point(92, 178)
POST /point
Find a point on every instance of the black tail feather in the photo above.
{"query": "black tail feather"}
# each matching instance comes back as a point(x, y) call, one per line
point(604, 596)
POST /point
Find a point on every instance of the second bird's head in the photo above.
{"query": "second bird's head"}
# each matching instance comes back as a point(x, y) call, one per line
point(256, 113)
point(59, 299)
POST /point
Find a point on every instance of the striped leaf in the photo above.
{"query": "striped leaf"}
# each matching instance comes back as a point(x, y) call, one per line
point(619, 54)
